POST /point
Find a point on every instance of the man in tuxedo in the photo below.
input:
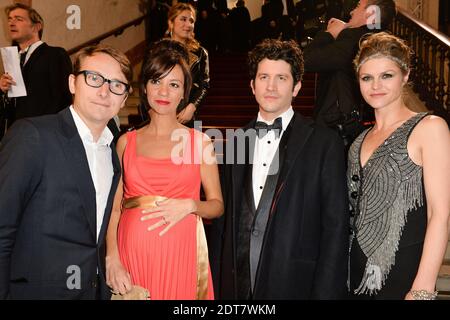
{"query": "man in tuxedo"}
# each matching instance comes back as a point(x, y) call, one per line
point(58, 177)
point(284, 234)
point(45, 70)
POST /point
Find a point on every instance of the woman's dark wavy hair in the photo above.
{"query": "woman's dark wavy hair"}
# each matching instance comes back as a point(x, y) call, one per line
point(161, 58)
point(274, 49)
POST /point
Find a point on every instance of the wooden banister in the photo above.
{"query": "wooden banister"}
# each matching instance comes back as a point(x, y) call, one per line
point(425, 27)
point(430, 66)
point(115, 32)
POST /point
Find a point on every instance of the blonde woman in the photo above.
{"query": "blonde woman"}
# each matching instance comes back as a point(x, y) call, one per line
point(399, 182)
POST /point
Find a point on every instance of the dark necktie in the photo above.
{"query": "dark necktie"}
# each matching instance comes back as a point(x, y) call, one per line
point(263, 128)
point(23, 55)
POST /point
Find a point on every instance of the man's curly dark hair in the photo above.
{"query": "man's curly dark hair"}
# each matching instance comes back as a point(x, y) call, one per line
point(274, 49)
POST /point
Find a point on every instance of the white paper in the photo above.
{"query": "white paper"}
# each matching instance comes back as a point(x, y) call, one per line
point(11, 64)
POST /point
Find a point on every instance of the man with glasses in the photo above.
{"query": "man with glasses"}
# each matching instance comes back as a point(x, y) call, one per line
point(58, 178)
point(44, 68)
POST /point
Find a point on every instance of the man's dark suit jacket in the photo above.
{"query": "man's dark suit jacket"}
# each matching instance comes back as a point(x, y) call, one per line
point(48, 213)
point(46, 75)
point(338, 90)
point(305, 247)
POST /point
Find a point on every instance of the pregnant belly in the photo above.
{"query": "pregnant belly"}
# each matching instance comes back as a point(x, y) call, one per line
point(132, 228)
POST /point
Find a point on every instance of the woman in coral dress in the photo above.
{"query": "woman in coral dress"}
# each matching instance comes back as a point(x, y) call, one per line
point(155, 237)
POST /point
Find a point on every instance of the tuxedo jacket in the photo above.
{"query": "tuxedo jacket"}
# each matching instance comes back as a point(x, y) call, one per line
point(46, 77)
point(305, 247)
point(48, 245)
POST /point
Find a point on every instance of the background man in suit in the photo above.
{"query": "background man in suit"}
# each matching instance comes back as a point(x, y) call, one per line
point(45, 70)
point(285, 229)
point(331, 53)
point(58, 177)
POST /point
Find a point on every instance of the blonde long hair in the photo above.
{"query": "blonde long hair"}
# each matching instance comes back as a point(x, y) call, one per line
point(174, 12)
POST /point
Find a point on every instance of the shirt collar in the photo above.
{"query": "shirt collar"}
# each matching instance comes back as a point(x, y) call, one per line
point(285, 117)
point(29, 50)
point(105, 138)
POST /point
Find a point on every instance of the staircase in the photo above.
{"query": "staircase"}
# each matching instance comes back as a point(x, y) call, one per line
point(443, 282)
point(230, 102)
point(129, 115)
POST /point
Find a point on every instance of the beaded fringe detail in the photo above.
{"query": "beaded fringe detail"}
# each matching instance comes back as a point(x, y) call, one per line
point(391, 185)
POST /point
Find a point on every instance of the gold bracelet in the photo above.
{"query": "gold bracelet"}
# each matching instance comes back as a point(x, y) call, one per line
point(423, 295)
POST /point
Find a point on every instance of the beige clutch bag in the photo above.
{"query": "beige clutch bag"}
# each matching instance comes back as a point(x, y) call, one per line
point(136, 293)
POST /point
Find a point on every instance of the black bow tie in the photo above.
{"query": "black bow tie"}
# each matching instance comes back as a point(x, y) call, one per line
point(263, 128)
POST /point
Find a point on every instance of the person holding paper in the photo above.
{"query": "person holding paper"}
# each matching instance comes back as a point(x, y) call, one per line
point(45, 70)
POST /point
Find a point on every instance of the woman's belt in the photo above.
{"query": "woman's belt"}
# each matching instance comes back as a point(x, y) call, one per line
point(148, 201)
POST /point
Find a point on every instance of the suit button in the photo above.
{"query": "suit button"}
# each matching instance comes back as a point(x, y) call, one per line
point(351, 230)
point(94, 284)
point(352, 213)
point(355, 178)
point(255, 232)
point(354, 194)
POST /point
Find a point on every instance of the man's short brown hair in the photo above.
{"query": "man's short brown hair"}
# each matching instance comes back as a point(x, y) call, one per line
point(121, 58)
point(274, 49)
point(35, 17)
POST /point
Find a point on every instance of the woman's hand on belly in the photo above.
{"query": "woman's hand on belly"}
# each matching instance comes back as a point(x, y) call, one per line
point(169, 212)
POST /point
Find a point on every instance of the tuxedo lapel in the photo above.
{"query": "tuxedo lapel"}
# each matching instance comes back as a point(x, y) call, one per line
point(79, 168)
point(299, 135)
point(34, 56)
point(262, 215)
point(238, 169)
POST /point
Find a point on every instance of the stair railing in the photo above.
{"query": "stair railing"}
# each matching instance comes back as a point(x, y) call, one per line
point(115, 32)
point(430, 70)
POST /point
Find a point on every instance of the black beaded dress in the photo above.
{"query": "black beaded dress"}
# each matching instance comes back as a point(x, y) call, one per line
point(388, 217)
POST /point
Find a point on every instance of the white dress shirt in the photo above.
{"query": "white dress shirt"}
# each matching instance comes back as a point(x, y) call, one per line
point(29, 50)
point(264, 152)
point(99, 157)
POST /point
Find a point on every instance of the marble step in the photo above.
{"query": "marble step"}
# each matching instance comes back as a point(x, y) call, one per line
point(443, 281)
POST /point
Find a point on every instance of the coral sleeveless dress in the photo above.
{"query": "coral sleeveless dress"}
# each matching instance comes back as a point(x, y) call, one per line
point(167, 266)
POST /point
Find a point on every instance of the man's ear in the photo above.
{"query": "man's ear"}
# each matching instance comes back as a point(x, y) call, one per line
point(252, 85)
point(123, 102)
point(72, 83)
point(297, 88)
point(37, 27)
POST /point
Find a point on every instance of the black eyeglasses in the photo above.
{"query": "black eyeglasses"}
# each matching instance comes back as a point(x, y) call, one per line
point(96, 80)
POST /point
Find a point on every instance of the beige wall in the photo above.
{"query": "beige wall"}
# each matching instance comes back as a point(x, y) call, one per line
point(4, 41)
point(253, 6)
point(97, 17)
